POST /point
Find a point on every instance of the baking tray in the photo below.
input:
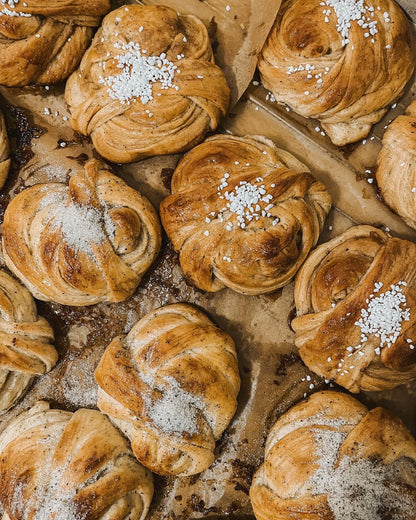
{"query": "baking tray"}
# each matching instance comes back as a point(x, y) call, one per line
point(273, 377)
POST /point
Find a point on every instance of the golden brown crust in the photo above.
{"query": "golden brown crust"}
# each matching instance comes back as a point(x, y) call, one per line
point(331, 441)
point(177, 117)
point(81, 244)
point(215, 251)
point(171, 385)
point(56, 464)
point(45, 40)
point(25, 341)
point(335, 84)
point(333, 288)
point(396, 166)
point(4, 151)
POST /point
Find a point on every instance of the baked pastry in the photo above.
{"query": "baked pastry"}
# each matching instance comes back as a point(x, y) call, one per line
point(148, 85)
point(355, 300)
point(343, 63)
point(72, 466)
point(330, 458)
point(243, 214)
point(396, 166)
point(25, 341)
point(42, 41)
point(4, 150)
point(81, 244)
point(171, 386)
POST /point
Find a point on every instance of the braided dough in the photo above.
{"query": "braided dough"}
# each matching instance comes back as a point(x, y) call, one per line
point(25, 341)
point(56, 464)
point(221, 244)
point(396, 166)
point(348, 88)
point(330, 458)
point(44, 40)
point(4, 151)
point(81, 244)
point(171, 386)
point(337, 288)
point(176, 117)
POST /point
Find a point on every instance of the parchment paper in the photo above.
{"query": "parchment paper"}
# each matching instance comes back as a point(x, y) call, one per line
point(410, 7)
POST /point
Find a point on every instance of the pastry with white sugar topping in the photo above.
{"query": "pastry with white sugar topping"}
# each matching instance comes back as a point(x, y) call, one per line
point(243, 214)
point(355, 299)
point(331, 458)
point(79, 244)
point(70, 466)
point(42, 41)
point(343, 62)
point(171, 386)
point(148, 85)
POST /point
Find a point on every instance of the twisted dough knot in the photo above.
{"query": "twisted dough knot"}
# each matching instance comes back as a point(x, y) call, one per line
point(243, 214)
point(56, 464)
point(329, 458)
point(154, 116)
point(44, 40)
point(348, 88)
point(171, 385)
point(25, 341)
point(355, 298)
point(81, 244)
point(4, 151)
point(396, 162)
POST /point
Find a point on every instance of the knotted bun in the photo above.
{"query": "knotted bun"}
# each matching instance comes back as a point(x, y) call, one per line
point(148, 85)
point(243, 214)
point(171, 385)
point(346, 78)
point(42, 41)
point(81, 244)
